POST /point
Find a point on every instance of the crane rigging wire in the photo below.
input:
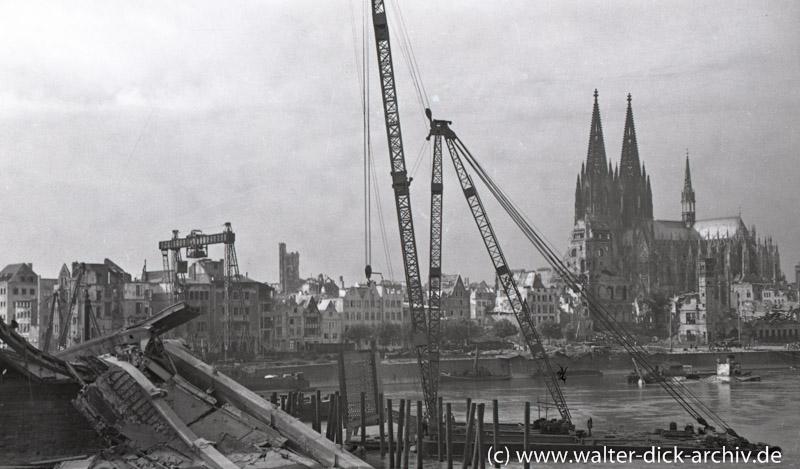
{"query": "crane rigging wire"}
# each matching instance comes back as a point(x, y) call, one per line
point(424, 149)
point(683, 395)
point(382, 222)
point(409, 58)
point(363, 81)
point(370, 178)
point(367, 140)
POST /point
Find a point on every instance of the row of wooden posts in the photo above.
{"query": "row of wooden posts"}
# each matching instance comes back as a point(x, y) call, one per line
point(475, 448)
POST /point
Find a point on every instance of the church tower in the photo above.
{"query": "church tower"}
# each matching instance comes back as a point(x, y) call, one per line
point(687, 197)
point(637, 199)
point(592, 191)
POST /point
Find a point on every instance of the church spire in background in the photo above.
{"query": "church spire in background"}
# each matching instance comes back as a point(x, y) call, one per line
point(629, 166)
point(687, 197)
point(632, 181)
point(591, 195)
point(596, 156)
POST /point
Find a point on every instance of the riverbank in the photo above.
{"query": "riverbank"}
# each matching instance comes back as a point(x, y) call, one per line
point(406, 371)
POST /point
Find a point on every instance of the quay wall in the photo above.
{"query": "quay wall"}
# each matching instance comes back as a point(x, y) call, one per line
point(407, 371)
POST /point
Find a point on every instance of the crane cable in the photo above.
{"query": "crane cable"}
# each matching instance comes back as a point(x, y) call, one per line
point(382, 222)
point(410, 59)
point(370, 179)
point(363, 82)
point(683, 395)
point(552, 258)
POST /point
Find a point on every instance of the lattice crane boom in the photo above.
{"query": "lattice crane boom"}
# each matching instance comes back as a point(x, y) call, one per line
point(48, 335)
point(518, 305)
point(427, 356)
point(73, 300)
point(435, 264)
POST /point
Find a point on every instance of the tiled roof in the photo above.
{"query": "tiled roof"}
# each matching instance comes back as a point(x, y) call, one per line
point(719, 227)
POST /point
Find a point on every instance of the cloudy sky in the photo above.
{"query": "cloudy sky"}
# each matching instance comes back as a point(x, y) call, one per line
point(125, 120)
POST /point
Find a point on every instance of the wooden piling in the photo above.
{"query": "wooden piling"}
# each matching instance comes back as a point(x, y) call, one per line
point(466, 414)
point(495, 429)
point(468, 437)
point(407, 436)
point(480, 460)
point(526, 442)
point(274, 398)
point(420, 435)
point(400, 425)
point(390, 426)
point(449, 427)
point(290, 404)
point(283, 402)
point(363, 422)
point(329, 426)
point(440, 430)
point(314, 413)
point(334, 416)
point(300, 402)
point(380, 426)
point(340, 412)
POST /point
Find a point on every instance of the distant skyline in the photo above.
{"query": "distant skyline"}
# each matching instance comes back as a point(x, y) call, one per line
point(123, 121)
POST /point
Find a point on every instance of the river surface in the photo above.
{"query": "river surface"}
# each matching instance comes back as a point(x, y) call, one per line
point(766, 411)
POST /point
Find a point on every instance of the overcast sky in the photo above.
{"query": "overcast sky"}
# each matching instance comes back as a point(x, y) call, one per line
point(122, 121)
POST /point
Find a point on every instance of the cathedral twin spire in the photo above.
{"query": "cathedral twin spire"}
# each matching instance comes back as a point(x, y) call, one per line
point(596, 156)
point(602, 191)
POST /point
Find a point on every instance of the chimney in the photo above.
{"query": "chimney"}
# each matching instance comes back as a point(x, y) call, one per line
point(341, 282)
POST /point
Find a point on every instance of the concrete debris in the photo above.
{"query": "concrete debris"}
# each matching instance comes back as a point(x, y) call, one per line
point(152, 404)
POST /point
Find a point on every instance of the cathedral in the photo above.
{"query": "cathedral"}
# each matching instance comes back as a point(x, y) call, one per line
point(626, 255)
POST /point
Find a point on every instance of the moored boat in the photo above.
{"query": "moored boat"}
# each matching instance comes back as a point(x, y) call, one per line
point(477, 373)
point(276, 383)
point(469, 375)
point(731, 371)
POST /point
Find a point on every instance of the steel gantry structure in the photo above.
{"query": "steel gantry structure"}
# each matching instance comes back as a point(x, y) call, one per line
point(196, 246)
point(425, 339)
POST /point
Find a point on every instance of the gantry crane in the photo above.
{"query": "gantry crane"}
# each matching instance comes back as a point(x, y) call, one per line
point(196, 246)
point(425, 339)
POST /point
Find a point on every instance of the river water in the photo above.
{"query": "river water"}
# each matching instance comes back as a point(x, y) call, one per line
point(767, 411)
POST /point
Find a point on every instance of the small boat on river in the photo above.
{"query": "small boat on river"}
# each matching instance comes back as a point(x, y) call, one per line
point(731, 371)
point(477, 373)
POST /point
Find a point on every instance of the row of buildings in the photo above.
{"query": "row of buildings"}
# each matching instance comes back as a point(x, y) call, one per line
point(264, 317)
point(713, 268)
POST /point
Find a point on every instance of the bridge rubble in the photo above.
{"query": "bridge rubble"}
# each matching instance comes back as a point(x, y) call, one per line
point(131, 400)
